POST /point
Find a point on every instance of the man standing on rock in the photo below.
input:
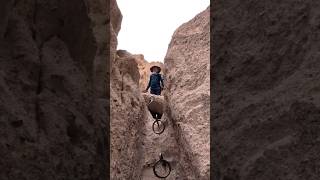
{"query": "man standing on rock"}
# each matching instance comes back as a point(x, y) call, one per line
point(155, 82)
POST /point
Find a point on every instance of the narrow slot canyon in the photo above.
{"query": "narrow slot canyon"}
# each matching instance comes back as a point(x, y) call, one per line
point(185, 102)
point(60, 70)
point(71, 100)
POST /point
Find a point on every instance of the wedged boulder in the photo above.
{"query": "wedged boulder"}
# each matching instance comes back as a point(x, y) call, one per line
point(154, 103)
point(187, 73)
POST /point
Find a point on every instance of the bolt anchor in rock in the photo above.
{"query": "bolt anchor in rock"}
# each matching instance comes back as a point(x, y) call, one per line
point(162, 168)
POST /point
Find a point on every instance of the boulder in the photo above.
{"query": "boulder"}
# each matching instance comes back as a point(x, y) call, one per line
point(154, 103)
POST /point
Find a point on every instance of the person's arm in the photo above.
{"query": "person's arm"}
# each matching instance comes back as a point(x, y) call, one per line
point(149, 84)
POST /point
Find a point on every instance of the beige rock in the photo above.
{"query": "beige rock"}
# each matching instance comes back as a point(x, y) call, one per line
point(187, 70)
point(127, 116)
point(154, 103)
point(127, 112)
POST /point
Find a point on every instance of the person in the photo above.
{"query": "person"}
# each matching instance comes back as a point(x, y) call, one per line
point(155, 81)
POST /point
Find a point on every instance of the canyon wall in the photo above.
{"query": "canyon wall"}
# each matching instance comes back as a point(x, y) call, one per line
point(53, 71)
point(266, 100)
point(128, 110)
point(185, 142)
point(187, 93)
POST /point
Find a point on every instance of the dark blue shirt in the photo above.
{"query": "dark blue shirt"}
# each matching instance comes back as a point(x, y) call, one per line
point(155, 81)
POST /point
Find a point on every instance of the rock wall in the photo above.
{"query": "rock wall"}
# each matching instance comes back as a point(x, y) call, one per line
point(135, 147)
point(53, 110)
point(128, 111)
point(127, 116)
point(187, 71)
point(266, 101)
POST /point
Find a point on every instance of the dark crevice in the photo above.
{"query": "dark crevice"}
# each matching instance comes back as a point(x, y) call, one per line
point(38, 113)
point(39, 117)
point(40, 73)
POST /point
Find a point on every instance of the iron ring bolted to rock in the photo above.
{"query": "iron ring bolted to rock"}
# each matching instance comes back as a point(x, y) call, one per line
point(158, 126)
point(162, 163)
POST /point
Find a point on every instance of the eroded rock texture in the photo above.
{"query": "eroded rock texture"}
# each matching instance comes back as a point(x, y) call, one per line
point(187, 91)
point(266, 90)
point(127, 116)
point(128, 111)
point(52, 109)
point(157, 104)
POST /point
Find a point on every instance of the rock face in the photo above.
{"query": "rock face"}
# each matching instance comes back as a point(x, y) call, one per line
point(157, 105)
point(53, 63)
point(127, 116)
point(128, 111)
point(266, 101)
point(188, 74)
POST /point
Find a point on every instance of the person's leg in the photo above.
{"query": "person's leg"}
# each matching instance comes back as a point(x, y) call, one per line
point(152, 91)
point(155, 91)
point(158, 92)
point(154, 115)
